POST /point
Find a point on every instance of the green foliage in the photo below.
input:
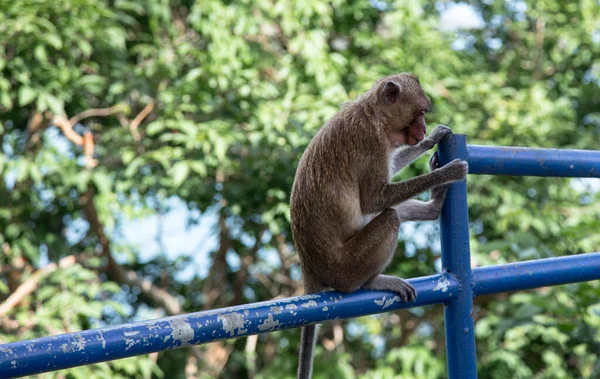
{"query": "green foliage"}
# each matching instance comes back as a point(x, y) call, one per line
point(211, 103)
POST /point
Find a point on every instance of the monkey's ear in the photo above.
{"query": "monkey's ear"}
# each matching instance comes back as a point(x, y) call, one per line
point(390, 93)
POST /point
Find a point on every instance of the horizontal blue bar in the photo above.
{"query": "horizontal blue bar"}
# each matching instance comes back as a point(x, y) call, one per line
point(519, 161)
point(127, 340)
point(536, 273)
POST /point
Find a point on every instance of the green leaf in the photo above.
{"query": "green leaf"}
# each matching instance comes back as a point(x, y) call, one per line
point(180, 172)
point(154, 127)
point(26, 95)
point(40, 53)
point(103, 181)
point(133, 167)
point(53, 40)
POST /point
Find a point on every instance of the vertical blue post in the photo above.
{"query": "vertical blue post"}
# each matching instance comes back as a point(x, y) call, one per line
point(456, 258)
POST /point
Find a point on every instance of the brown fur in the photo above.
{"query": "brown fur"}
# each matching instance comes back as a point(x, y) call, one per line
point(345, 213)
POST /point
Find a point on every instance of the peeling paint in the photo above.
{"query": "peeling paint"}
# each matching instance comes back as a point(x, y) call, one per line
point(442, 284)
point(383, 303)
point(231, 322)
point(276, 310)
point(129, 343)
point(130, 334)
point(153, 326)
point(182, 331)
point(100, 338)
point(79, 342)
point(308, 304)
point(325, 309)
point(269, 324)
point(291, 306)
point(6, 350)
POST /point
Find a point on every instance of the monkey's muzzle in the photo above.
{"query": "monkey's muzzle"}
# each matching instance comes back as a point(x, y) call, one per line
point(416, 131)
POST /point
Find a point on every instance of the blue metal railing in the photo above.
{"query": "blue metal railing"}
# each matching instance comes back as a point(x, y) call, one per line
point(455, 287)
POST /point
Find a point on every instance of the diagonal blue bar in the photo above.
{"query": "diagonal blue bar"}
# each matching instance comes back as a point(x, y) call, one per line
point(521, 161)
point(127, 340)
point(537, 273)
point(456, 258)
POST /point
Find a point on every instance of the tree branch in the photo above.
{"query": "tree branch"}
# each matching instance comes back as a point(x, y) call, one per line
point(135, 123)
point(149, 292)
point(247, 261)
point(31, 284)
point(67, 128)
point(96, 112)
point(213, 284)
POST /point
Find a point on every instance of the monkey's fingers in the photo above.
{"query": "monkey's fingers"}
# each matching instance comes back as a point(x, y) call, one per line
point(434, 161)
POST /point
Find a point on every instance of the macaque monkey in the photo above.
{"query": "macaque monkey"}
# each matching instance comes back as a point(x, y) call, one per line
point(346, 212)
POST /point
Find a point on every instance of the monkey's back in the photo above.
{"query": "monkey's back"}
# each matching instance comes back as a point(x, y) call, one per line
point(325, 205)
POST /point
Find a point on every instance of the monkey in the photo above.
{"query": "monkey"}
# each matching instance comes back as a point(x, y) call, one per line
point(345, 211)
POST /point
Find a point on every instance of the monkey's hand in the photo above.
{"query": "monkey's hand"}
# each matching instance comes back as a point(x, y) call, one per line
point(436, 136)
point(438, 194)
point(434, 162)
point(454, 171)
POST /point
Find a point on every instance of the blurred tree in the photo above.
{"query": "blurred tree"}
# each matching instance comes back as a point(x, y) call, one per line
point(109, 110)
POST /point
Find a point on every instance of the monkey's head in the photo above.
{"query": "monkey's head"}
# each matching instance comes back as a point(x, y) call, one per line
point(405, 102)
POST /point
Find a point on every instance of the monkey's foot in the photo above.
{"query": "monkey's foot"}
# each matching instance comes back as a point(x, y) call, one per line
point(393, 283)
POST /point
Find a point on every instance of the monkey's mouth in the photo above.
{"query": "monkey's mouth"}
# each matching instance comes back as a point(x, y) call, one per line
point(415, 131)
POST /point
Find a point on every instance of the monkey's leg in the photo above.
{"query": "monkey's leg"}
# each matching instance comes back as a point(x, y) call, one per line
point(415, 210)
point(368, 253)
point(392, 194)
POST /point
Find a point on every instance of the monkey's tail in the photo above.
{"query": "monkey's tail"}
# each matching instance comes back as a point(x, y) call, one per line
point(307, 347)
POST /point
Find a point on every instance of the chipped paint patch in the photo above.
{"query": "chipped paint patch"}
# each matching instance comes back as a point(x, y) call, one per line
point(6, 350)
point(153, 326)
point(100, 338)
point(276, 310)
point(182, 331)
point(383, 303)
point(79, 342)
point(442, 284)
point(291, 307)
point(269, 324)
point(308, 304)
point(325, 309)
point(231, 322)
point(130, 334)
point(129, 343)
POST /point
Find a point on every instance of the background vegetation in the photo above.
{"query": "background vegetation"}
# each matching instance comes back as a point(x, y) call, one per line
point(115, 112)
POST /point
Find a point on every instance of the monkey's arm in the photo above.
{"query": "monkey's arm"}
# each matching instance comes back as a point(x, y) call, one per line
point(412, 153)
point(415, 210)
point(390, 195)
